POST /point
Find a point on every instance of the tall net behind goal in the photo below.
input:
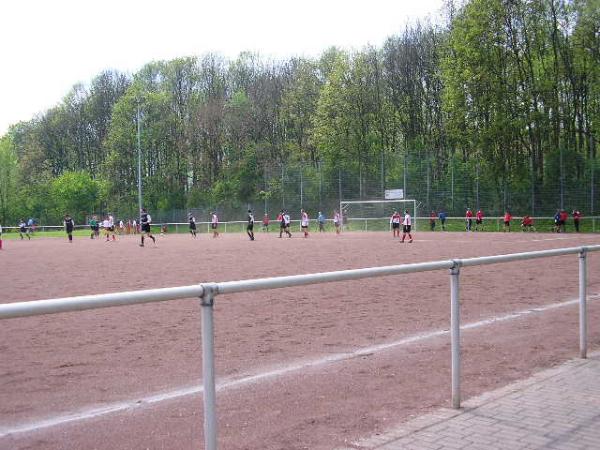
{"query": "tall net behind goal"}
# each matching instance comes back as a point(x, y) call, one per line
point(374, 215)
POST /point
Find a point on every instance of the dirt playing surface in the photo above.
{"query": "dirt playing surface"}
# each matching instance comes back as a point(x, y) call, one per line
point(314, 367)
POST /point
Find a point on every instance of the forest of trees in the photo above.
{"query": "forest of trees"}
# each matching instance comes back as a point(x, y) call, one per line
point(501, 105)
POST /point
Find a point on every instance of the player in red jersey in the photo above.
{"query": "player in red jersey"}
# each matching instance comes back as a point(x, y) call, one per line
point(395, 224)
point(527, 223)
point(469, 219)
point(507, 219)
point(432, 219)
point(564, 216)
point(479, 220)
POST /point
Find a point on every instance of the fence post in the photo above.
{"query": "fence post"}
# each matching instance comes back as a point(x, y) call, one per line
point(208, 368)
point(455, 332)
point(583, 303)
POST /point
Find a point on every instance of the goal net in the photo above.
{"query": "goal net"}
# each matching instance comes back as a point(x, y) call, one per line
point(375, 214)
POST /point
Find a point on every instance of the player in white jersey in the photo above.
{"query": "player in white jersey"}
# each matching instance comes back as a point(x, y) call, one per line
point(214, 224)
point(287, 221)
point(406, 226)
point(109, 227)
point(304, 221)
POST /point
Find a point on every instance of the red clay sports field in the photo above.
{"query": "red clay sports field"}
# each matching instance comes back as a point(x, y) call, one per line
point(290, 363)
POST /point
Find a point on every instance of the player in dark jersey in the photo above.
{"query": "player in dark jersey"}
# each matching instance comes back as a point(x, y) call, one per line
point(69, 227)
point(192, 221)
point(145, 221)
point(250, 226)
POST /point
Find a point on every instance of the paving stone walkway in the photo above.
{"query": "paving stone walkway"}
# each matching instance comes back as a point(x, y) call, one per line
point(558, 408)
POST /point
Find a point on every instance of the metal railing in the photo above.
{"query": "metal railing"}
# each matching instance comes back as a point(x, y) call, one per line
point(208, 291)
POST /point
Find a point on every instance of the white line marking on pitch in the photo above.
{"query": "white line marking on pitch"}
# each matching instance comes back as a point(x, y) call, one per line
point(90, 413)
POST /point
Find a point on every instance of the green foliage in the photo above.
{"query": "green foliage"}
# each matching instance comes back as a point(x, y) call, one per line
point(74, 193)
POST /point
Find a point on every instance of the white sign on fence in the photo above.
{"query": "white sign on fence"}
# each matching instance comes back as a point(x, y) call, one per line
point(394, 194)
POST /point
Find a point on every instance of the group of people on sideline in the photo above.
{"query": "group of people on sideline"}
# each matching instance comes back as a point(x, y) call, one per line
point(527, 222)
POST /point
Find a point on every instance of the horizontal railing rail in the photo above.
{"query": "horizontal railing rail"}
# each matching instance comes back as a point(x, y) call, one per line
point(207, 292)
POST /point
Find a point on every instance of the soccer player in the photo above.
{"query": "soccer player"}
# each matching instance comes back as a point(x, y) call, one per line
point(265, 223)
point(111, 227)
point(192, 221)
point(250, 226)
point(479, 220)
point(287, 221)
point(23, 230)
point(576, 219)
point(93, 225)
point(69, 227)
point(304, 221)
point(432, 218)
point(564, 216)
point(527, 223)
point(395, 223)
point(469, 219)
point(507, 219)
point(336, 221)
point(145, 221)
point(321, 220)
point(214, 224)
point(406, 226)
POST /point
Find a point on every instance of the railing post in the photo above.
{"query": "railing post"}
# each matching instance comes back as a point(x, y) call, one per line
point(455, 332)
point(583, 303)
point(208, 368)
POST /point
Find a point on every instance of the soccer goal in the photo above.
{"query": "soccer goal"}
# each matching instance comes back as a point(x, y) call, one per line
point(375, 214)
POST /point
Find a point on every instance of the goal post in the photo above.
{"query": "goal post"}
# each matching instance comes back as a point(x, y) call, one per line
point(375, 214)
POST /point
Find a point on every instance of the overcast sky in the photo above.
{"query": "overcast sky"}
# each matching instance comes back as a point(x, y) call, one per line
point(46, 46)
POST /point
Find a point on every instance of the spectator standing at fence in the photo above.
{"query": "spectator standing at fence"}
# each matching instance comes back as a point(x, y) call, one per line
point(469, 219)
point(336, 221)
point(479, 220)
point(395, 224)
point(0, 236)
point(23, 230)
point(442, 216)
point(321, 221)
point(406, 226)
point(69, 227)
point(145, 221)
point(31, 225)
point(432, 219)
point(250, 226)
point(507, 219)
point(214, 224)
point(121, 227)
point(265, 223)
point(192, 224)
point(576, 219)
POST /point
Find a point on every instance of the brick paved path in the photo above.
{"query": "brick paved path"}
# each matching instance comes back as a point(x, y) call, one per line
point(555, 409)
